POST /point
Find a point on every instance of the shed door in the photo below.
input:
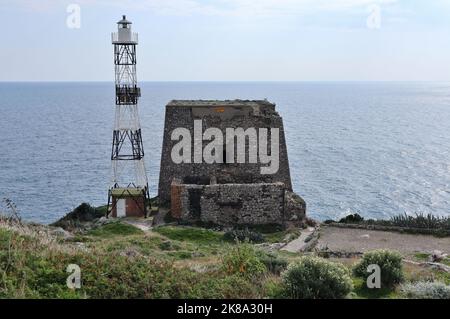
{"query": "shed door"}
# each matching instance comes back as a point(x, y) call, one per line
point(121, 207)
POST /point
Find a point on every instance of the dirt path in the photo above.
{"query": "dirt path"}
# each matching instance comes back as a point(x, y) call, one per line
point(359, 240)
point(143, 224)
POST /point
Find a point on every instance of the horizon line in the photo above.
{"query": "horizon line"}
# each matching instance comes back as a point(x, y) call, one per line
point(231, 81)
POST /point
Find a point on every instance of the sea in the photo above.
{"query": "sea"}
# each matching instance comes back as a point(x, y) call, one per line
point(378, 149)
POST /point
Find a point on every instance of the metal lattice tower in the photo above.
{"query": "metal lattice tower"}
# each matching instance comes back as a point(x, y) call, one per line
point(129, 178)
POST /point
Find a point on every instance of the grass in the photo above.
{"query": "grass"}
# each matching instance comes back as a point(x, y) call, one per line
point(280, 236)
point(114, 229)
point(29, 269)
point(414, 273)
point(422, 256)
point(361, 291)
point(118, 260)
point(191, 234)
point(426, 257)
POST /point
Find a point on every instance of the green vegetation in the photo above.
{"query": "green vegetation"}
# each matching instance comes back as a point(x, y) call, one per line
point(273, 262)
point(361, 291)
point(427, 257)
point(421, 221)
point(261, 234)
point(352, 219)
point(31, 269)
point(242, 260)
point(316, 278)
point(282, 236)
point(118, 260)
point(114, 229)
point(192, 234)
point(426, 290)
point(422, 256)
point(389, 262)
point(243, 235)
point(418, 224)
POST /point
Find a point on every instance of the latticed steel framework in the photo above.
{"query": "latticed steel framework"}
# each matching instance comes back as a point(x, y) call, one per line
point(127, 153)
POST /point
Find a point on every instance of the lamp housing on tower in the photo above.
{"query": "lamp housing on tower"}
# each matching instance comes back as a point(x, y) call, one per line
point(124, 35)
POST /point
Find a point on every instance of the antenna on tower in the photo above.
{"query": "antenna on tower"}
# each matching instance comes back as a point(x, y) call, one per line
point(128, 194)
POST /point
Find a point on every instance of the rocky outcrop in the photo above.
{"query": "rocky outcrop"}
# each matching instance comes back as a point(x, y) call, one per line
point(82, 214)
point(294, 209)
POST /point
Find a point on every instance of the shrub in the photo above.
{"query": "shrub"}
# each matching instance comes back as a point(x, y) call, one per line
point(416, 224)
point(273, 263)
point(421, 221)
point(390, 263)
point(426, 290)
point(243, 235)
point(214, 286)
point(316, 278)
point(243, 260)
point(274, 288)
point(352, 219)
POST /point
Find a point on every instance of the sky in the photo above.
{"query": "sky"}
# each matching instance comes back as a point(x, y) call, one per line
point(229, 40)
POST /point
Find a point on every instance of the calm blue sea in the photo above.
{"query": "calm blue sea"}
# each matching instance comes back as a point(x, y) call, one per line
point(377, 149)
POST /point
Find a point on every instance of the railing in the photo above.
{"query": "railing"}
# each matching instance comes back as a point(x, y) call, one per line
point(127, 95)
point(128, 90)
point(115, 38)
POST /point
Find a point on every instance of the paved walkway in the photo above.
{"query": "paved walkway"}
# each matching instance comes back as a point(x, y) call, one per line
point(297, 245)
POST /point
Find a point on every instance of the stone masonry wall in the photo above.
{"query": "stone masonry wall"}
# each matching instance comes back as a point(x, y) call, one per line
point(243, 204)
point(230, 204)
point(220, 114)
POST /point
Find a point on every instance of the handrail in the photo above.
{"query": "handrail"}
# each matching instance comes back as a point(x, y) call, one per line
point(133, 39)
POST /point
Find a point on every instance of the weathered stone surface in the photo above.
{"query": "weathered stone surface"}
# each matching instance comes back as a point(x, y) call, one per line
point(228, 194)
point(222, 115)
point(238, 204)
point(294, 209)
point(438, 256)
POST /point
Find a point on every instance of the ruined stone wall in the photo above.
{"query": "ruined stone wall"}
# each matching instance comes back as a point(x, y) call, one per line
point(237, 204)
point(175, 117)
point(220, 114)
point(243, 204)
point(229, 204)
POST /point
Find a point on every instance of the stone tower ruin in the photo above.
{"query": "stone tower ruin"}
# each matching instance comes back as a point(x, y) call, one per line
point(227, 191)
